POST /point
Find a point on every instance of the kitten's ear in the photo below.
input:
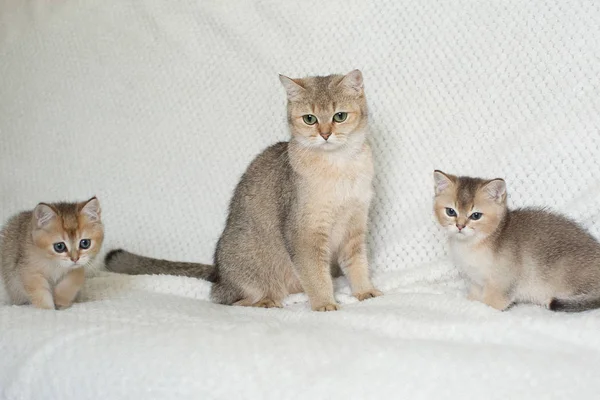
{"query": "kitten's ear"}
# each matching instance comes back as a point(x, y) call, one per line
point(43, 214)
point(442, 181)
point(293, 89)
point(496, 190)
point(353, 81)
point(91, 209)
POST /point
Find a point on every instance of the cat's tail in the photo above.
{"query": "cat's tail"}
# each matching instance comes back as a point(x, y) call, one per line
point(578, 303)
point(124, 262)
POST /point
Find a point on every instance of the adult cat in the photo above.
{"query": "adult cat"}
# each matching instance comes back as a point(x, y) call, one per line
point(300, 208)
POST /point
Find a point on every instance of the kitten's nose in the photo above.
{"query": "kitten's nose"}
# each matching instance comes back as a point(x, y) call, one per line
point(74, 258)
point(460, 227)
point(325, 135)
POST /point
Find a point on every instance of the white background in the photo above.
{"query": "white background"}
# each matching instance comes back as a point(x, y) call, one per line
point(158, 106)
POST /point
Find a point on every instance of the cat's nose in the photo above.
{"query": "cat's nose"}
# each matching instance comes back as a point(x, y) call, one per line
point(325, 135)
point(460, 227)
point(74, 258)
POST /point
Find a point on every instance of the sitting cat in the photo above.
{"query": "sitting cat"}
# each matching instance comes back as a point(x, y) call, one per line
point(43, 252)
point(300, 208)
point(512, 256)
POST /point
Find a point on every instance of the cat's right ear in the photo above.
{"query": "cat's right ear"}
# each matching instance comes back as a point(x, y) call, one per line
point(442, 181)
point(496, 190)
point(43, 214)
point(353, 82)
point(293, 89)
point(91, 209)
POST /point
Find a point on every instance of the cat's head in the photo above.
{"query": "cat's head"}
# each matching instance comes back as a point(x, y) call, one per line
point(469, 208)
point(69, 235)
point(327, 112)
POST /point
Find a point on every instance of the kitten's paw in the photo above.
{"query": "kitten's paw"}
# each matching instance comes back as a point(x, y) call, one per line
point(60, 306)
point(268, 303)
point(496, 299)
point(62, 303)
point(327, 307)
point(368, 294)
point(44, 306)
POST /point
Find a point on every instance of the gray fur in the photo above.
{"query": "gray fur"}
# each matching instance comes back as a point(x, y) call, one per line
point(252, 240)
point(14, 237)
point(252, 254)
point(566, 255)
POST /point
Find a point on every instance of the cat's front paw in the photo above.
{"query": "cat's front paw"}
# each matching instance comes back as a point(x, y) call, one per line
point(43, 303)
point(326, 307)
point(495, 298)
point(268, 303)
point(44, 306)
point(367, 294)
point(62, 304)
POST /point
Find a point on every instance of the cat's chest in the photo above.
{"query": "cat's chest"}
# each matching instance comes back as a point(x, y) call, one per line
point(328, 182)
point(476, 263)
point(338, 191)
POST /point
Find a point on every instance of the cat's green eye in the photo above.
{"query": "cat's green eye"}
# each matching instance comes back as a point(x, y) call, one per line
point(451, 212)
point(309, 119)
point(475, 216)
point(60, 247)
point(340, 117)
point(85, 244)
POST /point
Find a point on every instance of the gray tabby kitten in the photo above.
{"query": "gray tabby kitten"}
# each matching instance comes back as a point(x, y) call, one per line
point(511, 256)
point(300, 209)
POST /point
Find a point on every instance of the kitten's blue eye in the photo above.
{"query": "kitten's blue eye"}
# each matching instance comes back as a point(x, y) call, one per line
point(60, 247)
point(476, 215)
point(340, 117)
point(85, 243)
point(450, 212)
point(309, 119)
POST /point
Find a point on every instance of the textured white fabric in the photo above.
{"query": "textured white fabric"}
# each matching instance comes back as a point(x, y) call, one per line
point(158, 106)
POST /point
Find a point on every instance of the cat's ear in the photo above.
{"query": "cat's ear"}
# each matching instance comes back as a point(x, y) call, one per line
point(293, 89)
point(442, 181)
point(496, 190)
point(353, 82)
point(91, 209)
point(43, 214)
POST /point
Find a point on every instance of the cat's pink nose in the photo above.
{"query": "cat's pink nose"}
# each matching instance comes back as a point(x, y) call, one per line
point(460, 227)
point(75, 259)
point(325, 135)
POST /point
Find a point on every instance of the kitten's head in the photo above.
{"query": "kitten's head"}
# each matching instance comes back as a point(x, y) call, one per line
point(69, 235)
point(327, 112)
point(469, 208)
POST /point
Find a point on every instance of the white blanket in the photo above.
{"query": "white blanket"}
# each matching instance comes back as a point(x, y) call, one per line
point(158, 106)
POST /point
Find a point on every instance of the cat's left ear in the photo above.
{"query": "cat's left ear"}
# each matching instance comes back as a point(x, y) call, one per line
point(496, 190)
point(91, 209)
point(293, 89)
point(353, 82)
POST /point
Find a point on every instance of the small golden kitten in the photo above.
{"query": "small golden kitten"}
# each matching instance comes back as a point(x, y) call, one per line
point(526, 255)
point(43, 252)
